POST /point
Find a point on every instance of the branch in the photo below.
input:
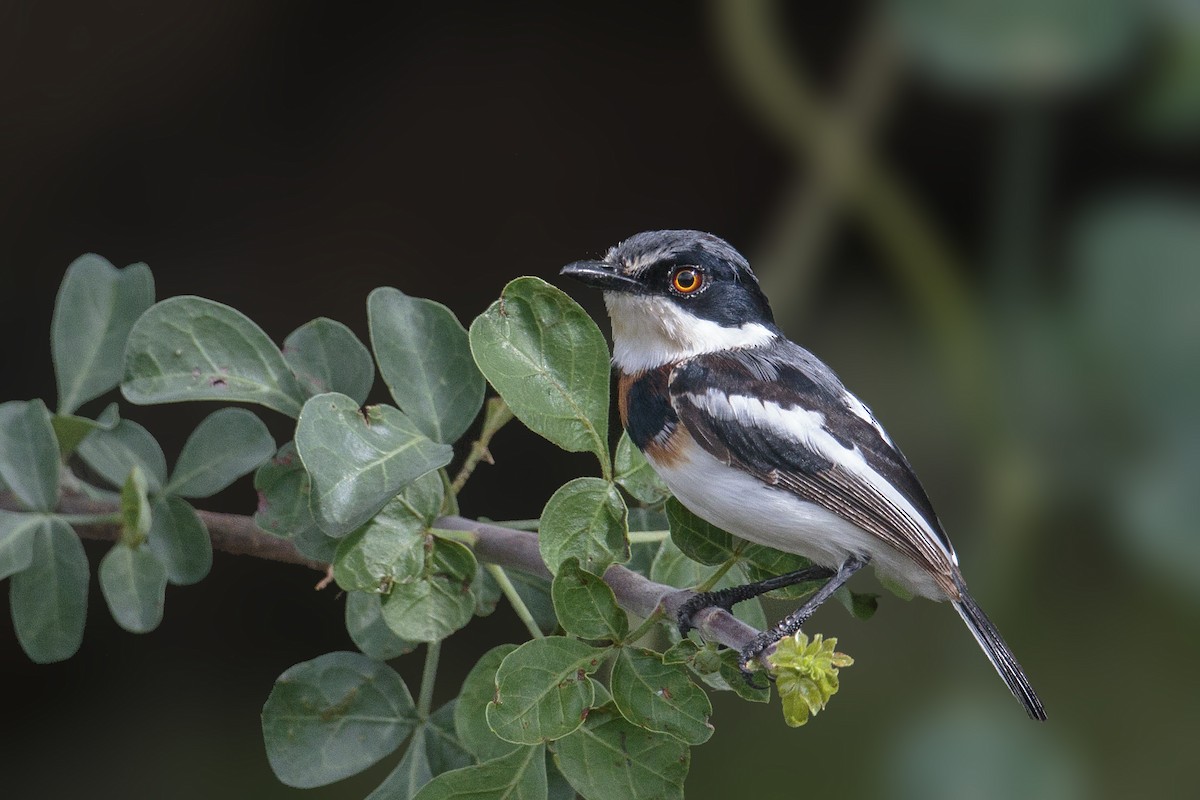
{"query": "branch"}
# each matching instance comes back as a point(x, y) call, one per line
point(238, 535)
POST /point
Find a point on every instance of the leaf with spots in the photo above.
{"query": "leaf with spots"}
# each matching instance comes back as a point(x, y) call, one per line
point(660, 697)
point(470, 714)
point(542, 690)
point(190, 348)
point(439, 601)
point(333, 717)
point(584, 519)
point(585, 604)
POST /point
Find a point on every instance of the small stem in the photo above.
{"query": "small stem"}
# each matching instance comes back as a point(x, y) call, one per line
point(644, 628)
point(462, 537)
point(496, 416)
point(514, 599)
point(647, 537)
point(433, 651)
point(712, 580)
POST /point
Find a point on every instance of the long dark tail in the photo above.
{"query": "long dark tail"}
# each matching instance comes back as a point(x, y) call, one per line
point(998, 653)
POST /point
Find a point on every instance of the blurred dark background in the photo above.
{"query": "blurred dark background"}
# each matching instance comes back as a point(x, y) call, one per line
point(984, 215)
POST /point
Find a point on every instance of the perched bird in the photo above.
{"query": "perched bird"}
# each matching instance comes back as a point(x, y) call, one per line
point(756, 435)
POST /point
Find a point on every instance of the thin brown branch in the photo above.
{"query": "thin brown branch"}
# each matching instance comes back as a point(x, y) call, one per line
point(238, 535)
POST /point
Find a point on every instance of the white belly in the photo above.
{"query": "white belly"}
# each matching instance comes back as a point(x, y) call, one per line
point(744, 506)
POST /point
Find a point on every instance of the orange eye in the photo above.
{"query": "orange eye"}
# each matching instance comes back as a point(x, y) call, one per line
point(686, 280)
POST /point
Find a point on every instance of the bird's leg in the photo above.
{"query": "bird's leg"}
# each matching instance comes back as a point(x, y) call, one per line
point(728, 598)
point(793, 622)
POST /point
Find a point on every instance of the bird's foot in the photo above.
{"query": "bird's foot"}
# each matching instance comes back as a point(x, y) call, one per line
point(749, 659)
point(697, 603)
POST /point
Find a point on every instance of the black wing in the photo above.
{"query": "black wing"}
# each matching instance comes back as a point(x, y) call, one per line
point(739, 433)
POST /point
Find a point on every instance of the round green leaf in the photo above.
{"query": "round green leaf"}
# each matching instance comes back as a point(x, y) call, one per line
point(585, 604)
point(699, 540)
point(226, 445)
point(520, 775)
point(326, 356)
point(16, 541)
point(437, 603)
point(179, 539)
point(134, 584)
point(96, 308)
point(334, 716)
point(470, 721)
point(114, 453)
point(49, 598)
point(610, 757)
point(426, 362)
point(388, 550)
point(635, 474)
point(368, 631)
point(660, 697)
point(673, 568)
point(359, 460)
point(585, 518)
point(29, 459)
point(543, 690)
point(549, 362)
point(189, 348)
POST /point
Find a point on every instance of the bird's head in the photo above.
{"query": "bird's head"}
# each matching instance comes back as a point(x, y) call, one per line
point(675, 294)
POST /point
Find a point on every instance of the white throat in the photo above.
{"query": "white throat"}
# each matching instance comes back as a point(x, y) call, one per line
point(651, 331)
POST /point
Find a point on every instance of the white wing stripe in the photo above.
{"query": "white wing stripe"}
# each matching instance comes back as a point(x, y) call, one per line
point(807, 428)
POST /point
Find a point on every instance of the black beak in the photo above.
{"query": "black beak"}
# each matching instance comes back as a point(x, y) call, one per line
point(600, 275)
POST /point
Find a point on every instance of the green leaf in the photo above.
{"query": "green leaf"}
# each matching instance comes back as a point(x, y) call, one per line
point(189, 348)
point(114, 453)
point(520, 775)
point(699, 540)
point(432, 750)
point(861, 605)
point(426, 362)
point(730, 672)
point(660, 697)
point(134, 584)
point(549, 362)
point(359, 460)
point(70, 430)
point(334, 716)
point(135, 509)
point(635, 474)
point(438, 603)
point(762, 562)
point(226, 445)
point(29, 460)
point(585, 518)
point(96, 307)
point(368, 631)
point(326, 356)
point(586, 605)
point(542, 690)
point(610, 757)
point(389, 549)
point(284, 491)
point(17, 532)
point(49, 598)
point(470, 721)
point(179, 540)
point(534, 591)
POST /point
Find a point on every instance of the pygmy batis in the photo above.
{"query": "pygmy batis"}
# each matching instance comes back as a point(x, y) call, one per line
point(759, 437)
